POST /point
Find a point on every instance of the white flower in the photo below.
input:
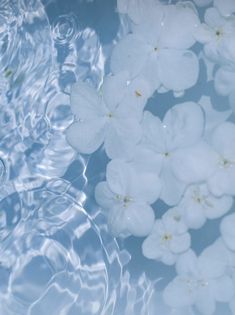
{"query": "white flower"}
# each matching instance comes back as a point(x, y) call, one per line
point(201, 282)
point(225, 81)
point(166, 241)
point(228, 232)
point(226, 7)
point(218, 36)
point(111, 117)
point(158, 48)
point(177, 139)
point(198, 204)
point(126, 197)
point(223, 180)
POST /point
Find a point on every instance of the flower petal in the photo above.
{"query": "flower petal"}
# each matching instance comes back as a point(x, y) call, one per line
point(228, 232)
point(104, 196)
point(205, 301)
point(213, 18)
point(150, 248)
point(139, 219)
point(223, 182)
point(86, 137)
point(224, 81)
point(85, 102)
point(180, 243)
point(223, 289)
point(113, 89)
point(226, 7)
point(183, 125)
point(130, 54)
point(194, 164)
point(172, 188)
point(121, 138)
point(117, 221)
point(179, 26)
point(178, 70)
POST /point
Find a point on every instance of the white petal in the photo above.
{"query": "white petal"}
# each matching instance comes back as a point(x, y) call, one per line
point(143, 154)
point(139, 219)
point(204, 34)
point(223, 289)
point(104, 196)
point(194, 215)
point(223, 182)
point(151, 248)
point(213, 117)
point(86, 137)
point(187, 263)
point(217, 207)
point(213, 18)
point(194, 164)
point(175, 215)
point(121, 137)
point(180, 243)
point(179, 25)
point(223, 138)
point(205, 301)
point(226, 7)
point(135, 98)
point(224, 81)
point(85, 102)
point(178, 70)
point(117, 221)
point(168, 258)
point(178, 294)
point(172, 188)
point(113, 89)
point(153, 131)
point(228, 232)
point(183, 125)
point(211, 263)
point(130, 54)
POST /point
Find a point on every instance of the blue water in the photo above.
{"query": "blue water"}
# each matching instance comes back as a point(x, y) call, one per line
point(56, 254)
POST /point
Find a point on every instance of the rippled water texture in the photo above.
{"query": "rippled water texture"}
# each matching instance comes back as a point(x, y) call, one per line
point(55, 257)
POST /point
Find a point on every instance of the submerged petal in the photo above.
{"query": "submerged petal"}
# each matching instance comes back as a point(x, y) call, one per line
point(178, 69)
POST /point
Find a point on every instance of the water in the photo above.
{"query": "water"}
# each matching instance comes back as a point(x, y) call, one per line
point(56, 253)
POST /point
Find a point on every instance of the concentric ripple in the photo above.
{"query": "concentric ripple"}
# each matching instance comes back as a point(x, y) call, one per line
point(59, 260)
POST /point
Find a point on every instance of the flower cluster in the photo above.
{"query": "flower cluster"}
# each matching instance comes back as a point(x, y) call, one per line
point(186, 159)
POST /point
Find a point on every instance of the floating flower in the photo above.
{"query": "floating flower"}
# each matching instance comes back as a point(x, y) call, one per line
point(158, 46)
point(181, 128)
point(166, 241)
point(111, 117)
point(223, 180)
point(218, 36)
point(201, 282)
point(126, 197)
point(198, 205)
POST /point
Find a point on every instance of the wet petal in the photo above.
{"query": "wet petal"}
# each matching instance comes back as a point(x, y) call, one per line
point(104, 196)
point(223, 289)
point(228, 232)
point(178, 70)
point(130, 54)
point(213, 18)
point(205, 301)
point(226, 7)
point(222, 182)
point(179, 26)
point(194, 164)
point(224, 81)
point(222, 139)
point(151, 249)
point(86, 137)
point(113, 89)
point(139, 219)
point(183, 125)
point(180, 243)
point(85, 102)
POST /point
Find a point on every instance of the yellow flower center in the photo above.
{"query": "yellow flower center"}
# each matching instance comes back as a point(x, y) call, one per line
point(138, 94)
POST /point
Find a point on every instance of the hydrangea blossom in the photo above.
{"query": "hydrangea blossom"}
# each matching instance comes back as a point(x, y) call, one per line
point(223, 180)
point(198, 204)
point(126, 197)
point(201, 281)
point(166, 241)
point(177, 139)
point(228, 232)
point(218, 36)
point(111, 116)
point(158, 48)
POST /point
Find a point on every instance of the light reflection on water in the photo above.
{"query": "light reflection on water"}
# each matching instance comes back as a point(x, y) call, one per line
point(56, 257)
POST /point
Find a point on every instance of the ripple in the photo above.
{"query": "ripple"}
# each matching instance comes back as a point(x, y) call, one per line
point(65, 29)
point(59, 259)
